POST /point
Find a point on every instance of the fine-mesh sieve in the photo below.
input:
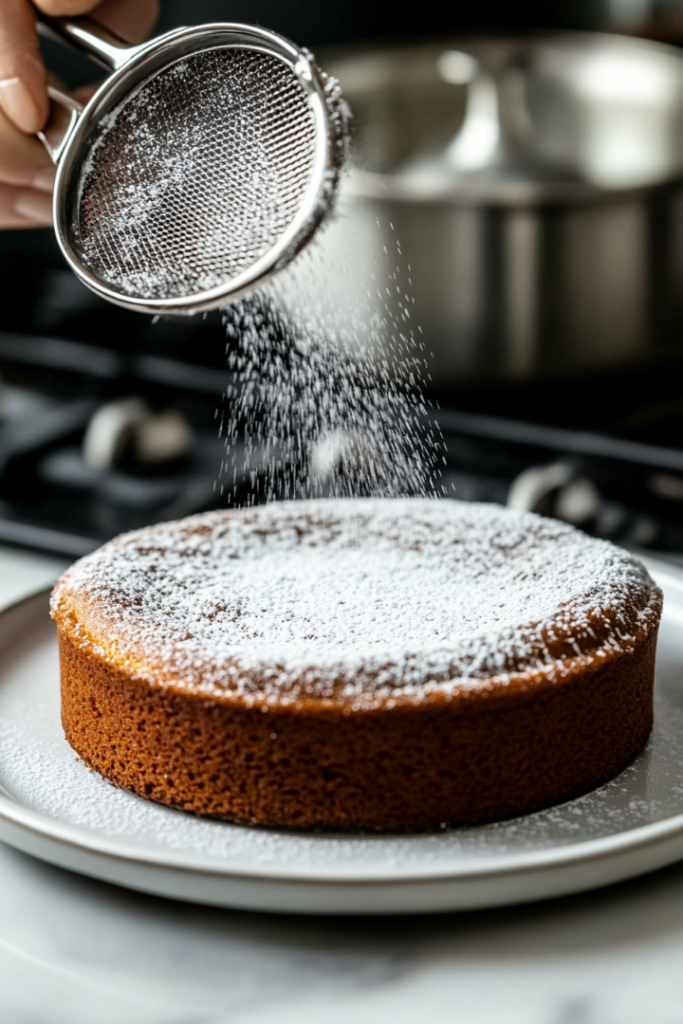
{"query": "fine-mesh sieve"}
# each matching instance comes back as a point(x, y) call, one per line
point(201, 166)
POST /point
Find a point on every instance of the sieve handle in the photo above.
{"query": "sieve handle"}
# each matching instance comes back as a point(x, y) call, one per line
point(64, 114)
point(88, 36)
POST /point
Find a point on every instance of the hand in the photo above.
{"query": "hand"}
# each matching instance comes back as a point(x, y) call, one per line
point(26, 171)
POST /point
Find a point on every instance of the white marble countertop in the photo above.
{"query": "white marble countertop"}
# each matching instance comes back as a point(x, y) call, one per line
point(76, 951)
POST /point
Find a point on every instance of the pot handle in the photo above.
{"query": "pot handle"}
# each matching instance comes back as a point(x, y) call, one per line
point(496, 123)
point(478, 137)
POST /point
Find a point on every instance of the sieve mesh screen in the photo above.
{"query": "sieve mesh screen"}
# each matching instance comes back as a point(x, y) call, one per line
point(196, 175)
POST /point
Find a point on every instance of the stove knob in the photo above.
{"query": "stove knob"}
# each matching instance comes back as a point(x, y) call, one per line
point(535, 489)
point(666, 485)
point(126, 431)
point(555, 490)
point(109, 435)
point(164, 437)
point(578, 503)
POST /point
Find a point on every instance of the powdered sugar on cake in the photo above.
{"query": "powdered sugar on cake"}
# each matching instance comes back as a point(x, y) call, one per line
point(361, 599)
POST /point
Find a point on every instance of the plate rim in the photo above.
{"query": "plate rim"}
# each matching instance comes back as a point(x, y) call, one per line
point(575, 854)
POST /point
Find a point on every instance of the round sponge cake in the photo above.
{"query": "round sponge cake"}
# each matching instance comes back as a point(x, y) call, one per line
point(358, 664)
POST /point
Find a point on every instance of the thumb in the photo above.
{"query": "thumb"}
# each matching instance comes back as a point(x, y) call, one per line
point(23, 97)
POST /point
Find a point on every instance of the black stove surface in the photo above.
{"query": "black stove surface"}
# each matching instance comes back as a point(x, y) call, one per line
point(108, 422)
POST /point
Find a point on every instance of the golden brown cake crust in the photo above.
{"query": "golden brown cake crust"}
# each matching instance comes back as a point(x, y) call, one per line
point(406, 768)
point(571, 713)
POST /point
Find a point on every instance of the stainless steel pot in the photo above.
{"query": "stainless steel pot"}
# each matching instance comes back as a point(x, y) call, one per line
point(559, 246)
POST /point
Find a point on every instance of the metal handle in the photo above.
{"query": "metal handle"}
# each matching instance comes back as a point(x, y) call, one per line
point(64, 114)
point(478, 137)
point(496, 123)
point(88, 36)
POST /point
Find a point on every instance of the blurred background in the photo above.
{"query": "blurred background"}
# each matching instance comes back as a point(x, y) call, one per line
point(528, 158)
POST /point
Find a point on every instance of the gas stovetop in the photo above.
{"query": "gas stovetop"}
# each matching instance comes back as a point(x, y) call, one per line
point(108, 422)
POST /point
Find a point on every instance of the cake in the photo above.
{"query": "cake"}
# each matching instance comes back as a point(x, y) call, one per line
point(358, 664)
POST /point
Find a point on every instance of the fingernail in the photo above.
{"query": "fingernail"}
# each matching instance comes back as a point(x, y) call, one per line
point(19, 104)
point(35, 206)
point(44, 180)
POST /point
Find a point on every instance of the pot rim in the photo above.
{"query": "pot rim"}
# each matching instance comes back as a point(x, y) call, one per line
point(389, 188)
point(383, 185)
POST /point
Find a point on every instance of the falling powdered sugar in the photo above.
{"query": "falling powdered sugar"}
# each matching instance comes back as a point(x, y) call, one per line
point(328, 396)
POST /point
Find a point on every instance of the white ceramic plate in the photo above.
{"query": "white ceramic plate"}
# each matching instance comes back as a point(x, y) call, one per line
point(52, 807)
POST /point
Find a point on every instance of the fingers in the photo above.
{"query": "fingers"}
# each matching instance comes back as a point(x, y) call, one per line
point(23, 159)
point(22, 77)
point(66, 8)
point(26, 173)
point(133, 20)
point(26, 178)
point(23, 97)
point(24, 207)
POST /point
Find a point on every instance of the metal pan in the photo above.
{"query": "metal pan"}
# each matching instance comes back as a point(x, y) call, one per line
point(557, 249)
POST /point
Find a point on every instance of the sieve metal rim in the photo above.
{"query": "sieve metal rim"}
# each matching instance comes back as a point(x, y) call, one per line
point(140, 65)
